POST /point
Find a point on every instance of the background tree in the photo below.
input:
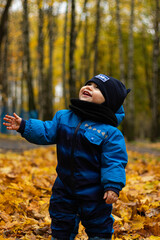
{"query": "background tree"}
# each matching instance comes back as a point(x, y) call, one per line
point(131, 110)
point(64, 78)
point(120, 43)
point(147, 69)
point(48, 95)
point(155, 74)
point(4, 75)
point(5, 72)
point(4, 19)
point(3, 59)
point(27, 60)
point(111, 42)
point(96, 38)
point(72, 69)
point(115, 50)
point(40, 52)
point(85, 43)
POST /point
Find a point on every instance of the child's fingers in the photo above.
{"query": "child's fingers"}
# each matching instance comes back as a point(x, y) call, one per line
point(111, 200)
point(105, 195)
point(7, 124)
point(10, 128)
point(9, 117)
point(16, 116)
point(110, 197)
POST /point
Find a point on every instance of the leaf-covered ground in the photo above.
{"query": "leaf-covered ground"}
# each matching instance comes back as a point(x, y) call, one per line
point(26, 180)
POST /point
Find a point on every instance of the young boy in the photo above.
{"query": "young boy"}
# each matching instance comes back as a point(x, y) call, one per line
point(91, 156)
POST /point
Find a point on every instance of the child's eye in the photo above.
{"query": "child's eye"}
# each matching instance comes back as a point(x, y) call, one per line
point(95, 86)
point(92, 84)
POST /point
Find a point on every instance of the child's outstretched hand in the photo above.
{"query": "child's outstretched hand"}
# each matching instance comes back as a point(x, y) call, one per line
point(110, 197)
point(12, 123)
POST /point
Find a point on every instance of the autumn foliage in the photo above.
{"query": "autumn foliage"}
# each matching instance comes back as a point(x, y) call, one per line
point(26, 181)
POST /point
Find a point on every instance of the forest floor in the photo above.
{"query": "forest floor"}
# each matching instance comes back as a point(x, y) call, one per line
point(14, 143)
point(27, 173)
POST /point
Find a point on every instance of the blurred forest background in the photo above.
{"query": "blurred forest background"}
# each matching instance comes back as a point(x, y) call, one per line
point(49, 48)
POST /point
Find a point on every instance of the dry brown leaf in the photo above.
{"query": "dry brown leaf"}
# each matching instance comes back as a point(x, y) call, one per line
point(25, 187)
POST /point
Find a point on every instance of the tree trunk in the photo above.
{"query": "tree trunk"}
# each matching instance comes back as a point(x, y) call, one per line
point(4, 80)
point(130, 118)
point(48, 89)
point(3, 24)
point(5, 72)
point(111, 54)
point(96, 38)
point(85, 55)
point(84, 61)
point(22, 88)
point(154, 132)
point(72, 70)
point(0, 71)
point(120, 43)
point(40, 60)
point(64, 58)
point(146, 67)
point(28, 72)
point(4, 19)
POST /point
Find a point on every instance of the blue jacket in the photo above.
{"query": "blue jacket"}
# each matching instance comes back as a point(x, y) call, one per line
point(91, 156)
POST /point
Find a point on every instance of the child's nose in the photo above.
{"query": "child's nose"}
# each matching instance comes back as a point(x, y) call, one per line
point(89, 86)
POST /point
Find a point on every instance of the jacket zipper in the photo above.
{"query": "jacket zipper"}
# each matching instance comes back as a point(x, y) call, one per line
point(72, 155)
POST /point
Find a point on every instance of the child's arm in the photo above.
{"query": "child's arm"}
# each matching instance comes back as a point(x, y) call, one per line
point(113, 163)
point(34, 130)
point(12, 123)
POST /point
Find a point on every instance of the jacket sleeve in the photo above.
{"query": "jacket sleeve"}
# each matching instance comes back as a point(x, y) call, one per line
point(114, 160)
point(41, 133)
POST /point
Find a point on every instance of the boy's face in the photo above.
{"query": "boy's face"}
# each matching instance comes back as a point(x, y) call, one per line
point(91, 93)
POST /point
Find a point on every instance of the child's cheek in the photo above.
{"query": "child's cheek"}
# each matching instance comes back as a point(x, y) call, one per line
point(80, 92)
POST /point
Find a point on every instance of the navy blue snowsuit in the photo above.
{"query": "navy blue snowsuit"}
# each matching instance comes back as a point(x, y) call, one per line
point(91, 159)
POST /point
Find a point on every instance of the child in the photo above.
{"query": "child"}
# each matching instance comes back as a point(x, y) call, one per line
point(91, 156)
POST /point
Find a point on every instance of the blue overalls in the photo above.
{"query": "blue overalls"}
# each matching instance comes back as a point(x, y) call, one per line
point(91, 160)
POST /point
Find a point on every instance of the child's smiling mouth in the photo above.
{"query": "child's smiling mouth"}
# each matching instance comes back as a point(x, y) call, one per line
point(86, 93)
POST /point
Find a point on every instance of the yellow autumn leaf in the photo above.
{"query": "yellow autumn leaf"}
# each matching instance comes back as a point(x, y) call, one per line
point(154, 238)
point(137, 225)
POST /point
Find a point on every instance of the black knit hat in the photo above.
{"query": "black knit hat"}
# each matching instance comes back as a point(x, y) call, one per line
point(112, 89)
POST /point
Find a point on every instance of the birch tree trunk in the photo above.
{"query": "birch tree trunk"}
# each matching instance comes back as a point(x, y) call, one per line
point(72, 70)
point(130, 99)
point(120, 43)
point(40, 60)
point(96, 38)
point(64, 58)
point(155, 97)
point(27, 61)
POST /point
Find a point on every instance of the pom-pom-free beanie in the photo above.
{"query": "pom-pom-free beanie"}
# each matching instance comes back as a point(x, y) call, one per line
point(112, 89)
